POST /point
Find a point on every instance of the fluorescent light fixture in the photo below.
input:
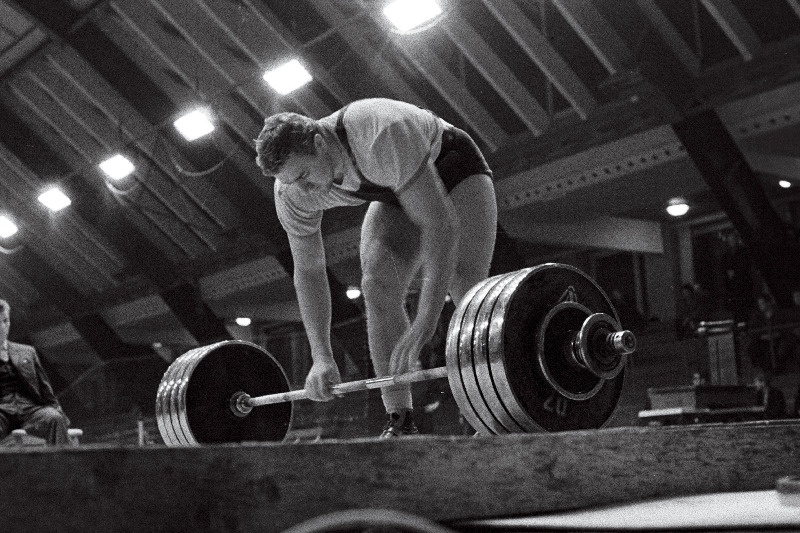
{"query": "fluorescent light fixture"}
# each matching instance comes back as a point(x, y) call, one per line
point(407, 15)
point(117, 167)
point(194, 124)
point(353, 292)
point(785, 184)
point(677, 207)
point(7, 228)
point(243, 321)
point(287, 77)
point(54, 199)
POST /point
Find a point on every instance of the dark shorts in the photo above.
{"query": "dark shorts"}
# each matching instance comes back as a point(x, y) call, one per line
point(459, 158)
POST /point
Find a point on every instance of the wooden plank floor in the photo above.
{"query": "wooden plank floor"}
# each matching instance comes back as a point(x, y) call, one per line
point(270, 487)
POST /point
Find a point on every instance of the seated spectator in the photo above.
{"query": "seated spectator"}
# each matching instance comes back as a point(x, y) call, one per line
point(26, 396)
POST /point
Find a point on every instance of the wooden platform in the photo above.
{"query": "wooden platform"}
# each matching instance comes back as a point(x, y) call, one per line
point(270, 487)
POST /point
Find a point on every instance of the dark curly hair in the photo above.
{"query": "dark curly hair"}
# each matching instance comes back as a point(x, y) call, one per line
point(284, 134)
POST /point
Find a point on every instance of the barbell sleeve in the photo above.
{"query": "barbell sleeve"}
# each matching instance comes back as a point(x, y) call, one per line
point(352, 386)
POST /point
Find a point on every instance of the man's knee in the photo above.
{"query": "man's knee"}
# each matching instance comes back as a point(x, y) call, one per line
point(51, 416)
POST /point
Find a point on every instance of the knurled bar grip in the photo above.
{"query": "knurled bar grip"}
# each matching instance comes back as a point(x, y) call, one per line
point(352, 386)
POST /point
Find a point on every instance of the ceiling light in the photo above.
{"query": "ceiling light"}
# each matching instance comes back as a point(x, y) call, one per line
point(287, 77)
point(243, 321)
point(7, 228)
point(54, 199)
point(677, 207)
point(407, 15)
point(353, 292)
point(785, 184)
point(194, 124)
point(117, 167)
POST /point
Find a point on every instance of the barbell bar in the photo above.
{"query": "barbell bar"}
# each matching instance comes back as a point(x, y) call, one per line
point(536, 349)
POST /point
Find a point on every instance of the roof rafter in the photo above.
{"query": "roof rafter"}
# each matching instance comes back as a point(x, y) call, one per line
point(540, 51)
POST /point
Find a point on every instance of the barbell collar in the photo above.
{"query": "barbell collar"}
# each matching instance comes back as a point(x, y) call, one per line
point(602, 346)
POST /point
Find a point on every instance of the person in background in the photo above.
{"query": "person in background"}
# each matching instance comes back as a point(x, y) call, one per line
point(771, 398)
point(432, 217)
point(26, 396)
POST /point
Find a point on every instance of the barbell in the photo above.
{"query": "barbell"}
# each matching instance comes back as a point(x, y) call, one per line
point(538, 349)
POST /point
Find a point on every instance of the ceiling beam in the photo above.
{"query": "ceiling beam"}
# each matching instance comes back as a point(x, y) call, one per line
point(453, 90)
point(606, 233)
point(606, 45)
point(670, 35)
point(496, 73)
point(379, 67)
point(64, 240)
point(276, 29)
point(541, 52)
point(775, 252)
point(735, 27)
point(777, 165)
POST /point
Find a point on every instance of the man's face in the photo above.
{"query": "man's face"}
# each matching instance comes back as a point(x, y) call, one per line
point(5, 324)
point(312, 173)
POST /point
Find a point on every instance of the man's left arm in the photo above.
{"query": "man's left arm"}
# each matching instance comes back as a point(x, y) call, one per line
point(428, 205)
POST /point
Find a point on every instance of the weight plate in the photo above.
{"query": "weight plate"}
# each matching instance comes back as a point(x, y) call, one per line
point(455, 356)
point(480, 359)
point(194, 396)
point(518, 312)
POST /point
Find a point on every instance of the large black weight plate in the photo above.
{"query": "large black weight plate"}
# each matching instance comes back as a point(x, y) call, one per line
point(517, 314)
point(458, 351)
point(194, 404)
point(480, 363)
point(492, 372)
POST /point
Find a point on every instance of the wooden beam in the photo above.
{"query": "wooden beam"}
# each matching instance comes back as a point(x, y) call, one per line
point(452, 89)
point(383, 70)
point(734, 26)
point(597, 34)
point(785, 166)
point(670, 34)
point(277, 30)
point(270, 487)
point(607, 233)
point(496, 73)
point(538, 48)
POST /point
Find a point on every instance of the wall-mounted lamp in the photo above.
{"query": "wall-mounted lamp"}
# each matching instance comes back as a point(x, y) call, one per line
point(677, 207)
point(353, 292)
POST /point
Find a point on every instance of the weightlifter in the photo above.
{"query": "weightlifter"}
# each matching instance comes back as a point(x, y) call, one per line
point(432, 218)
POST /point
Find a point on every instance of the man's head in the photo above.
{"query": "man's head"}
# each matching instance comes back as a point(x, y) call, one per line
point(284, 134)
point(291, 148)
point(5, 320)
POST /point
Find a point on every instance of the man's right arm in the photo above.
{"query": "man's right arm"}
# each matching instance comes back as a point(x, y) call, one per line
point(314, 298)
